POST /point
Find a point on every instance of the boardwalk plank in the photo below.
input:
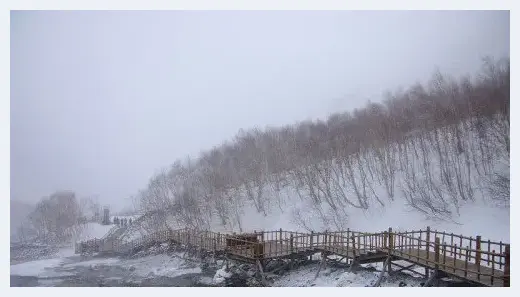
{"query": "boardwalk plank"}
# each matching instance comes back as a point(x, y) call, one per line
point(411, 256)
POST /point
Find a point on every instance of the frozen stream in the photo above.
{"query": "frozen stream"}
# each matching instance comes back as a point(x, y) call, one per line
point(158, 270)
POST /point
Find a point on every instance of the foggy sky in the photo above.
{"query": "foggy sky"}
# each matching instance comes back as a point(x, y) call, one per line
point(102, 100)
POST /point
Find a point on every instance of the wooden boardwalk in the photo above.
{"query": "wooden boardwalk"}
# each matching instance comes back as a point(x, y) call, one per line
point(454, 267)
point(471, 259)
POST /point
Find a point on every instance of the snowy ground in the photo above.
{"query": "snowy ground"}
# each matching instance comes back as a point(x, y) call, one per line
point(330, 277)
point(93, 230)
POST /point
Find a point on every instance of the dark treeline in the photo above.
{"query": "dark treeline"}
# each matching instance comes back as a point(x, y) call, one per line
point(436, 145)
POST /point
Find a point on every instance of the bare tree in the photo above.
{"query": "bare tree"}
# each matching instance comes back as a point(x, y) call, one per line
point(57, 218)
point(435, 144)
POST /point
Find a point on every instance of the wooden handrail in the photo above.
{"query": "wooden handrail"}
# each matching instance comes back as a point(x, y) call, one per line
point(406, 244)
point(482, 252)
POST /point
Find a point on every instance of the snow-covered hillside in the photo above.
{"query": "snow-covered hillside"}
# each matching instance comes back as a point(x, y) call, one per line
point(434, 155)
point(292, 208)
point(476, 218)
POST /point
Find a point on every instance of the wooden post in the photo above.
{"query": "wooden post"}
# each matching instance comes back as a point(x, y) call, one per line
point(466, 262)
point(444, 252)
point(437, 254)
point(478, 256)
point(275, 242)
point(385, 245)
point(258, 249)
point(492, 267)
point(322, 264)
point(354, 245)
point(311, 243)
point(291, 244)
point(325, 245)
point(451, 245)
point(390, 247)
point(506, 267)
point(470, 246)
point(419, 244)
point(488, 249)
point(427, 270)
point(500, 262)
point(455, 259)
point(460, 245)
point(348, 240)
point(390, 238)
point(409, 242)
point(281, 240)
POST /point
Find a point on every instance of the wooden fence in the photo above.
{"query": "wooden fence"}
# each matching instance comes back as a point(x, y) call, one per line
point(471, 258)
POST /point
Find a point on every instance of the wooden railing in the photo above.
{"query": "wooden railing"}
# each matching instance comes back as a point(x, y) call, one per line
point(472, 258)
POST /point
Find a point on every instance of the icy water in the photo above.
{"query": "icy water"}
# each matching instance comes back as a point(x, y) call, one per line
point(95, 280)
point(153, 271)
